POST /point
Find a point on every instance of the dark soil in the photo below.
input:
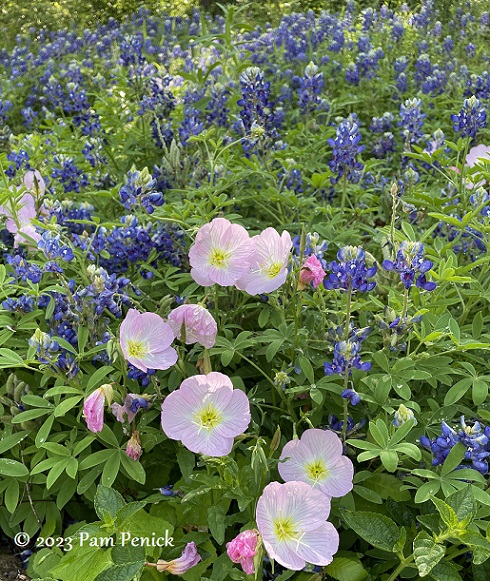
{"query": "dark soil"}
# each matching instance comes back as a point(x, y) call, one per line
point(10, 566)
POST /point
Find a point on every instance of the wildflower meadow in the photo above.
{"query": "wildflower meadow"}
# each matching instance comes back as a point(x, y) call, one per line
point(245, 294)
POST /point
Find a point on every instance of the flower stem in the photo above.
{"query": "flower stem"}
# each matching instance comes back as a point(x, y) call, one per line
point(405, 305)
point(400, 568)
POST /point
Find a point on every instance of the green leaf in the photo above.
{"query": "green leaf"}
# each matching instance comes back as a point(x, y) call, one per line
point(187, 461)
point(454, 458)
point(133, 468)
point(9, 442)
point(427, 553)
point(9, 467)
point(457, 391)
point(424, 492)
point(98, 376)
point(107, 502)
point(44, 431)
point(66, 405)
point(125, 572)
point(463, 504)
point(82, 564)
point(445, 572)
point(11, 496)
point(345, 569)
point(29, 415)
point(111, 469)
point(307, 369)
point(480, 391)
point(216, 522)
point(9, 358)
point(95, 458)
point(389, 458)
point(377, 529)
point(446, 512)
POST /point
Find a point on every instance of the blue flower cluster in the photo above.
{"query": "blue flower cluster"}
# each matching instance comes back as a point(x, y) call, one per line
point(411, 122)
point(473, 116)
point(345, 148)
point(347, 355)
point(138, 191)
point(475, 437)
point(410, 261)
point(257, 123)
point(350, 272)
point(312, 248)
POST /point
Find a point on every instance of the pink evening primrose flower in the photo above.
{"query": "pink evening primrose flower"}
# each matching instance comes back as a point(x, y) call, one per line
point(145, 341)
point(200, 326)
point(268, 268)
point(19, 220)
point(220, 254)
point(206, 413)
point(93, 407)
point(317, 460)
point(179, 566)
point(242, 550)
point(478, 152)
point(291, 519)
point(311, 271)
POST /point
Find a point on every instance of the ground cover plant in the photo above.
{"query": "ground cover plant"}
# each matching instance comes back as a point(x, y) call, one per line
point(245, 297)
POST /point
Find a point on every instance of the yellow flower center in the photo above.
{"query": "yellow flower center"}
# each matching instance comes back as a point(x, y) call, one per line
point(316, 470)
point(284, 529)
point(274, 269)
point(208, 417)
point(136, 348)
point(218, 258)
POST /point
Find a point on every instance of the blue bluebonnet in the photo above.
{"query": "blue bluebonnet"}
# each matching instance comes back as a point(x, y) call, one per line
point(352, 395)
point(471, 118)
point(168, 490)
point(481, 198)
point(396, 329)
point(256, 123)
point(139, 191)
point(412, 121)
point(5, 107)
point(345, 148)
point(24, 270)
point(350, 272)
point(142, 377)
point(382, 124)
point(410, 261)
point(310, 88)
point(402, 415)
point(312, 247)
point(475, 437)
point(72, 178)
point(44, 345)
point(52, 246)
point(67, 214)
point(347, 357)
point(191, 125)
point(19, 160)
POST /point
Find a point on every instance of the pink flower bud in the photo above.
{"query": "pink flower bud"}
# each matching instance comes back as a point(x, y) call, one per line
point(311, 271)
point(242, 550)
point(93, 410)
point(133, 448)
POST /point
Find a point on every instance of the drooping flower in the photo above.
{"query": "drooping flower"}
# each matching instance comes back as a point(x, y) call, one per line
point(268, 266)
point(221, 253)
point(291, 519)
point(199, 325)
point(242, 550)
point(206, 413)
point(145, 341)
point(189, 558)
point(311, 271)
point(93, 407)
point(132, 404)
point(133, 448)
point(317, 460)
